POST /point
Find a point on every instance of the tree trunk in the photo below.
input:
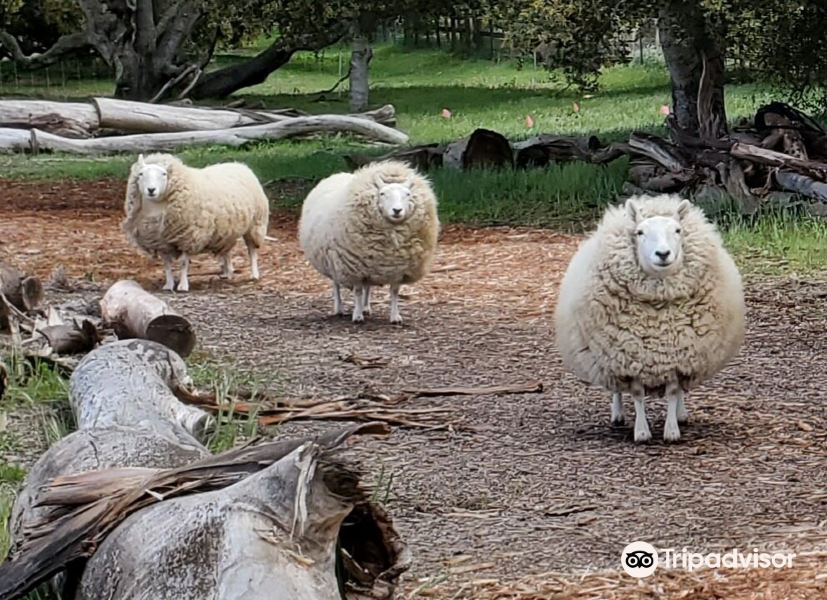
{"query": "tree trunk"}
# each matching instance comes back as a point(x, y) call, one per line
point(135, 313)
point(359, 71)
point(686, 38)
point(130, 383)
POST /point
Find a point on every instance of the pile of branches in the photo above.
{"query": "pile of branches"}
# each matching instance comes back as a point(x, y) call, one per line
point(778, 157)
point(108, 125)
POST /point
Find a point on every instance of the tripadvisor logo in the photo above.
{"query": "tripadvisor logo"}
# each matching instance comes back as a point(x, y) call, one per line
point(640, 559)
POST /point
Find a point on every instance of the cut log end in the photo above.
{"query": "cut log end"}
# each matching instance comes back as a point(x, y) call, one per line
point(173, 331)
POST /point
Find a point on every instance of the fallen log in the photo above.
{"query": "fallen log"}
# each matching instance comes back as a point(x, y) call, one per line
point(35, 140)
point(70, 119)
point(131, 382)
point(801, 184)
point(23, 291)
point(71, 338)
point(135, 313)
point(816, 170)
point(20, 294)
point(279, 514)
point(143, 117)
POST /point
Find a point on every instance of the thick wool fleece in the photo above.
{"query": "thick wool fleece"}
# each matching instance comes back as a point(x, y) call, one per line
point(347, 239)
point(617, 327)
point(203, 210)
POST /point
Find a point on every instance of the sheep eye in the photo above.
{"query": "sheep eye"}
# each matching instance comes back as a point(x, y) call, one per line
point(678, 230)
point(639, 232)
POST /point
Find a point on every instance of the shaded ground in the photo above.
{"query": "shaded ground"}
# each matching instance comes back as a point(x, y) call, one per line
point(541, 483)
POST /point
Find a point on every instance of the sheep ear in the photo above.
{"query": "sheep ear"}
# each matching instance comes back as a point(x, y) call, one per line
point(409, 181)
point(632, 209)
point(141, 159)
point(377, 179)
point(683, 208)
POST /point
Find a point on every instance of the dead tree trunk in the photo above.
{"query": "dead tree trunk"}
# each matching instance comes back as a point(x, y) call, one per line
point(359, 71)
point(135, 313)
point(133, 383)
point(693, 54)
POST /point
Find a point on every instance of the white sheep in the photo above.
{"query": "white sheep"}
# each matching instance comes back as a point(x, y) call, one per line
point(650, 303)
point(173, 210)
point(375, 226)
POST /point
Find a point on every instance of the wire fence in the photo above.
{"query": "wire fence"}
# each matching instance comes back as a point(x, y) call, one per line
point(67, 78)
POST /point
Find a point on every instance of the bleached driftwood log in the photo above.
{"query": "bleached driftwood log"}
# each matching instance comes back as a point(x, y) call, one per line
point(271, 536)
point(133, 383)
point(78, 120)
point(164, 446)
point(35, 140)
point(135, 313)
point(71, 119)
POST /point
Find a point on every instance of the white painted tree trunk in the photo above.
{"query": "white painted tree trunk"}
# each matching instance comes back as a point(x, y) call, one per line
point(359, 71)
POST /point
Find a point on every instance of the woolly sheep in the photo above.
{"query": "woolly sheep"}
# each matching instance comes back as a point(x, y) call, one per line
point(173, 210)
point(375, 226)
point(650, 303)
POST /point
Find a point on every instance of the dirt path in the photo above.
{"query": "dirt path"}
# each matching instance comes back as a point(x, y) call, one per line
point(542, 483)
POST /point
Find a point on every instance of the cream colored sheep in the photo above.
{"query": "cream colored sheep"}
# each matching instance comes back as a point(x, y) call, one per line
point(375, 226)
point(650, 303)
point(173, 210)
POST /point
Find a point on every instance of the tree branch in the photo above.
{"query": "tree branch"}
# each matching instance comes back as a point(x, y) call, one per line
point(67, 44)
point(169, 42)
point(223, 82)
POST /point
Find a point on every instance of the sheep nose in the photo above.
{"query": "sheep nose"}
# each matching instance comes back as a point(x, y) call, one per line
point(663, 254)
point(397, 212)
point(151, 191)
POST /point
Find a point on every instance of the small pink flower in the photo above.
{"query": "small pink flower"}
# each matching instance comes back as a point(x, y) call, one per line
point(446, 114)
point(529, 122)
point(664, 110)
point(575, 107)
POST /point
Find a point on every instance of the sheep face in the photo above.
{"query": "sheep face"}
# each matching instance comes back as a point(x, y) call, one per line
point(395, 202)
point(658, 241)
point(152, 182)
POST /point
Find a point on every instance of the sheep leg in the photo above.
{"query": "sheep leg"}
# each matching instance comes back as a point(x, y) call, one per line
point(683, 415)
point(252, 251)
point(337, 300)
point(395, 316)
point(618, 418)
point(226, 266)
point(183, 280)
point(642, 433)
point(366, 301)
point(169, 285)
point(358, 304)
point(671, 431)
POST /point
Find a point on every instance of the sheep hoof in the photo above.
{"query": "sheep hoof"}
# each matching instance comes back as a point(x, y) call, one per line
point(618, 421)
point(642, 436)
point(671, 434)
point(168, 288)
point(358, 319)
point(183, 287)
point(396, 320)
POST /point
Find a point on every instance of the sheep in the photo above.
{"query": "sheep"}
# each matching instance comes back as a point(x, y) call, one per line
point(376, 226)
point(173, 210)
point(651, 303)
